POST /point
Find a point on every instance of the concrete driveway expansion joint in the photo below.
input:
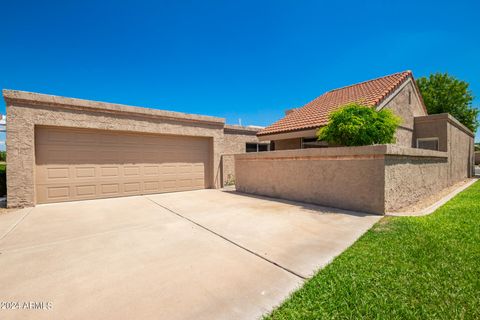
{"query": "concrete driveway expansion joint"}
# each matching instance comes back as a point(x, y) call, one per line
point(230, 241)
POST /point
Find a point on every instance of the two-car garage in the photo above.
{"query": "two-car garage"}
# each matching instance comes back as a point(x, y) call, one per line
point(78, 164)
point(67, 149)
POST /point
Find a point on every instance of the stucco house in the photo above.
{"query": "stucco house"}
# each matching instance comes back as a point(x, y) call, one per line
point(431, 153)
point(65, 149)
point(398, 92)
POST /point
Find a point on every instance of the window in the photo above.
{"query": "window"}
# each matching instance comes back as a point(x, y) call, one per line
point(257, 147)
point(313, 143)
point(427, 143)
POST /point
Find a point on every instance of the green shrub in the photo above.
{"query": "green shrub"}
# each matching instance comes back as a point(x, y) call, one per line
point(358, 125)
point(230, 180)
point(3, 156)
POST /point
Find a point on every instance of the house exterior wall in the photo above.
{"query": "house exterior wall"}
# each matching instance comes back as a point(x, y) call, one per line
point(234, 141)
point(236, 137)
point(432, 127)
point(407, 104)
point(454, 138)
point(27, 110)
point(461, 152)
point(477, 157)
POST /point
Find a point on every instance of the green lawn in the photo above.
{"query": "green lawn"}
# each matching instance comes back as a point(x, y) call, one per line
point(403, 268)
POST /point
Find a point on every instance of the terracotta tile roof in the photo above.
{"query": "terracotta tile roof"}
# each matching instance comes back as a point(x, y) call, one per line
point(316, 113)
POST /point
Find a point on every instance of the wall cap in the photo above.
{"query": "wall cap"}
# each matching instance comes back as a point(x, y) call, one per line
point(38, 99)
point(445, 116)
point(237, 129)
point(375, 150)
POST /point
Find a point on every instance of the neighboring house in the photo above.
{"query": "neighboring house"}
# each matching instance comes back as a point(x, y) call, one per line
point(63, 149)
point(398, 92)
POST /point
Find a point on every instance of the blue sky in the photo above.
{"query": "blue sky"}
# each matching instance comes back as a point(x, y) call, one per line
point(247, 60)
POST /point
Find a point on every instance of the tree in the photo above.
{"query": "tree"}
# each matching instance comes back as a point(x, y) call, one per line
point(444, 93)
point(358, 125)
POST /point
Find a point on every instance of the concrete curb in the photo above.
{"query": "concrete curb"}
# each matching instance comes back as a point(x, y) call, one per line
point(430, 209)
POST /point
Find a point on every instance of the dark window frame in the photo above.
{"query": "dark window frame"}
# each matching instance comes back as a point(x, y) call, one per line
point(429, 139)
point(256, 147)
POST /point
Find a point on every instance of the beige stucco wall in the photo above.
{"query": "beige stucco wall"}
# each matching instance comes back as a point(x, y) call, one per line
point(234, 141)
point(349, 178)
point(461, 153)
point(404, 137)
point(454, 138)
point(27, 110)
point(372, 179)
point(236, 137)
point(406, 103)
point(409, 179)
point(432, 127)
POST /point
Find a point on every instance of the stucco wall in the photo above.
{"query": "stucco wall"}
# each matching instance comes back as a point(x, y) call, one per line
point(349, 178)
point(409, 179)
point(26, 110)
point(460, 152)
point(234, 141)
point(404, 137)
point(371, 178)
point(326, 176)
point(236, 137)
point(406, 104)
point(454, 138)
point(432, 127)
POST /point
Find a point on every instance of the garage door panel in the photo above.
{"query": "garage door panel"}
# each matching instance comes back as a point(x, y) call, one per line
point(87, 190)
point(85, 172)
point(110, 188)
point(152, 186)
point(131, 171)
point(150, 170)
point(109, 172)
point(132, 187)
point(77, 164)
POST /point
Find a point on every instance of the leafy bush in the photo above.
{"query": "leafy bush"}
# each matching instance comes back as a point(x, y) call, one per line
point(230, 180)
point(358, 125)
point(3, 156)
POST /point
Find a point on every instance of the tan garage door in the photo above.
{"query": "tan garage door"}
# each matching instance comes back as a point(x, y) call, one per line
point(77, 164)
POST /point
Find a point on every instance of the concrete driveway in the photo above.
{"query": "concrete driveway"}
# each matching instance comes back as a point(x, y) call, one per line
point(205, 254)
